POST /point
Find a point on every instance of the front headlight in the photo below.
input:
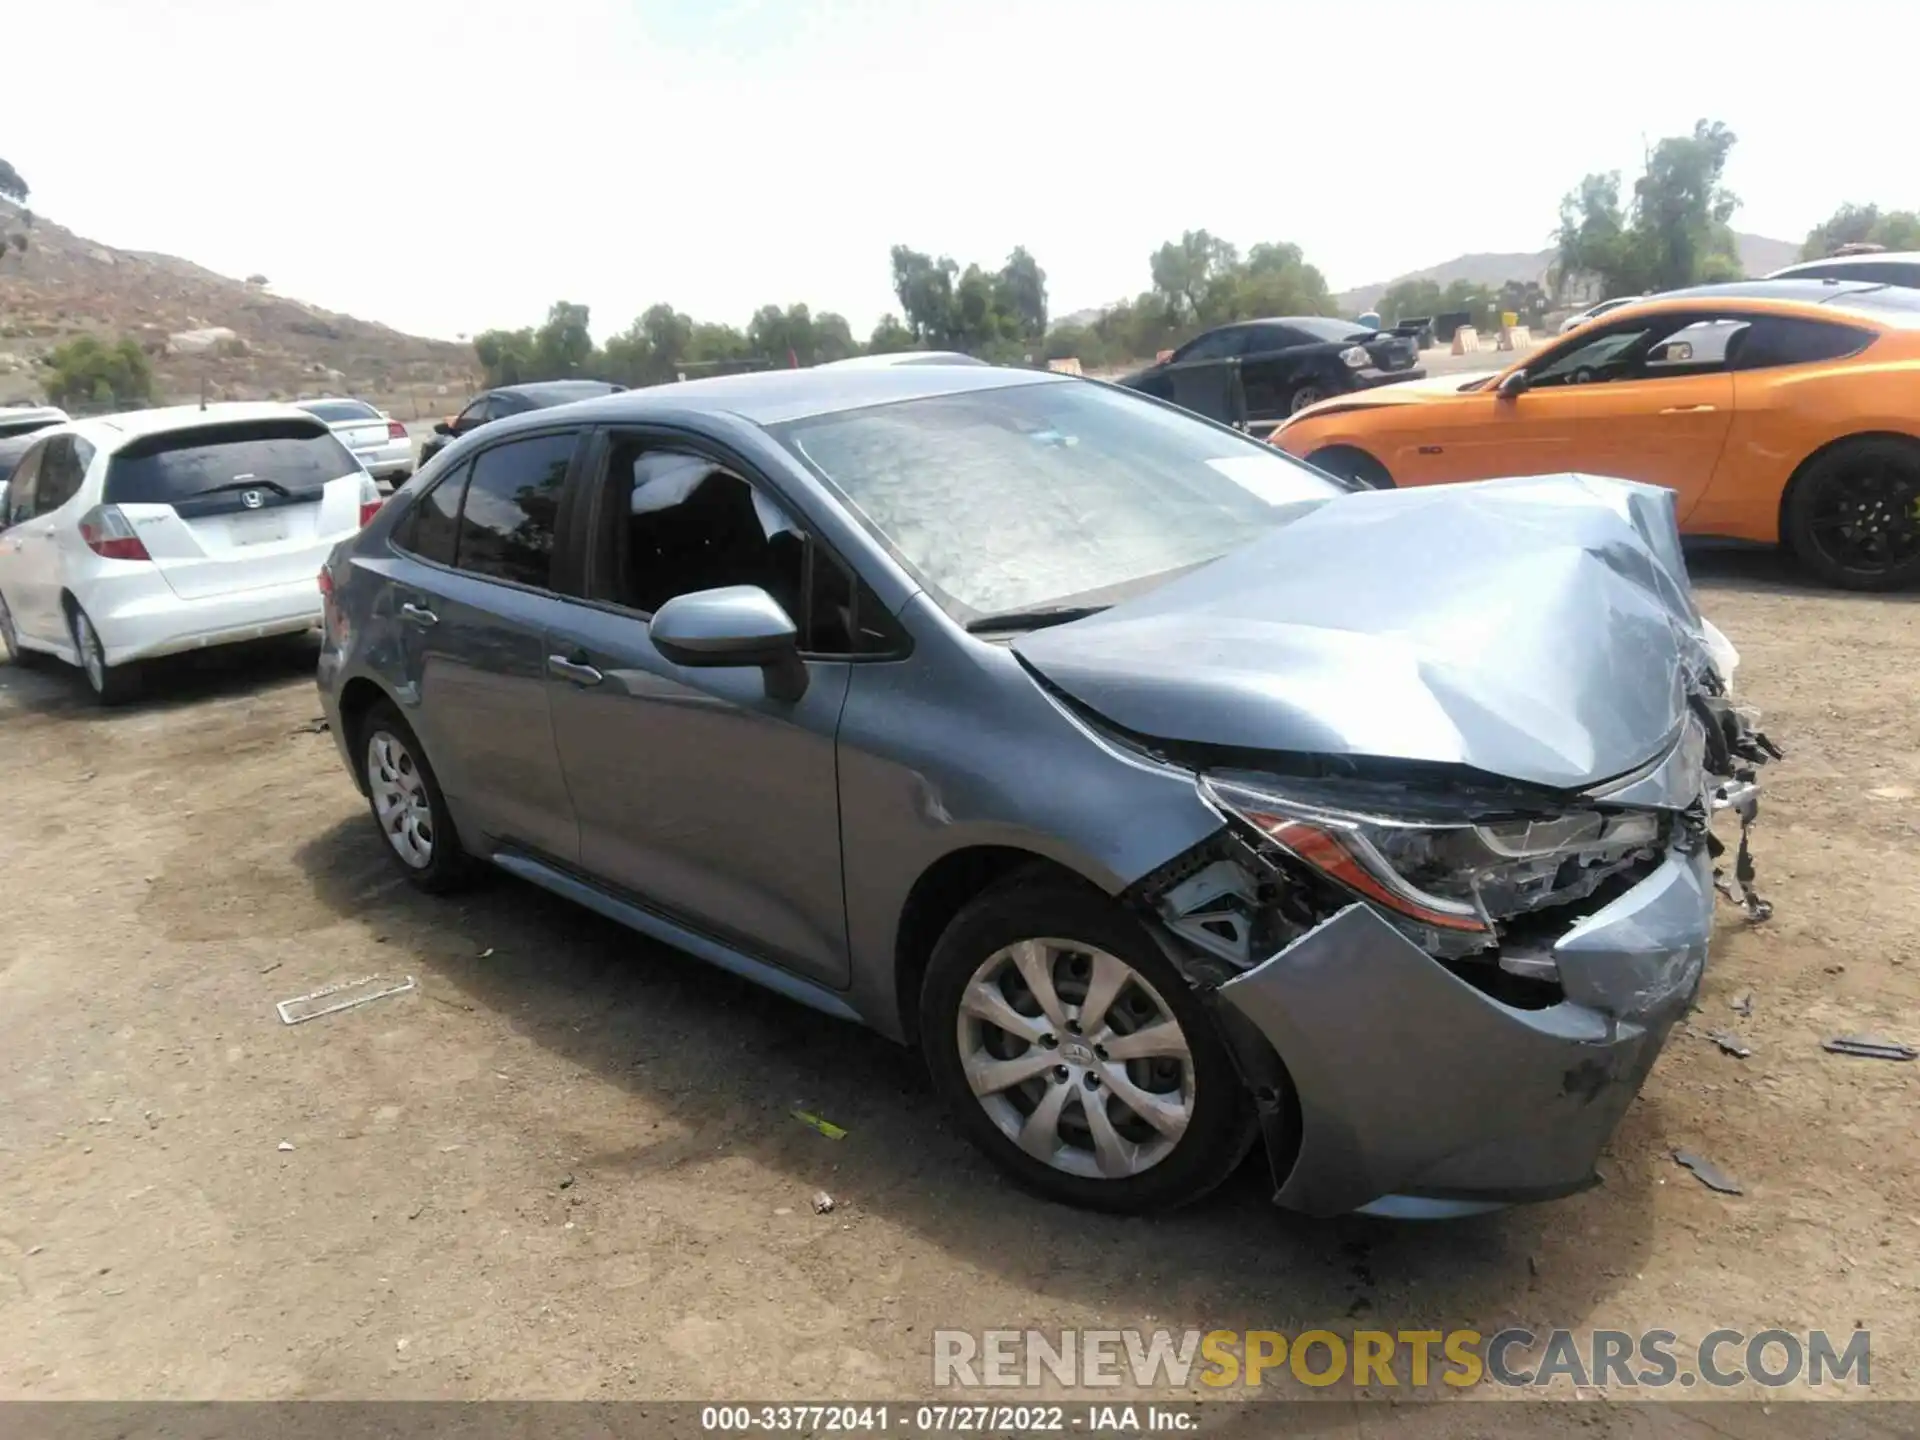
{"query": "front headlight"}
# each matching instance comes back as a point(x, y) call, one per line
point(1458, 876)
point(1356, 357)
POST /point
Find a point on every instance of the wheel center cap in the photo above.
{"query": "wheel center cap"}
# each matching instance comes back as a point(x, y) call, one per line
point(1076, 1052)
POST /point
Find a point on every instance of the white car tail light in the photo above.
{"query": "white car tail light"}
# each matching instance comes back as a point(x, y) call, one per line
point(109, 534)
point(370, 501)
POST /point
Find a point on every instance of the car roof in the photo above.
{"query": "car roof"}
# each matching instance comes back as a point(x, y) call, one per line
point(18, 413)
point(1892, 307)
point(558, 392)
point(900, 357)
point(772, 397)
point(1869, 257)
point(130, 425)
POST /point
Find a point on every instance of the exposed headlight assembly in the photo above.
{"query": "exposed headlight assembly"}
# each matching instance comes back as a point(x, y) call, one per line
point(1451, 881)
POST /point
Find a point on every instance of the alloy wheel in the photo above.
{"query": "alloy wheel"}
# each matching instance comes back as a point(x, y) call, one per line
point(400, 799)
point(1076, 1058)
point(93, 659)
point(1307, 395)
point(1867, 517)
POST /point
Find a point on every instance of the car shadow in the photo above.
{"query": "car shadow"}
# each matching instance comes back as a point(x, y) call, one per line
point(730, 1061)
point(53, 688)
point(1767, 570)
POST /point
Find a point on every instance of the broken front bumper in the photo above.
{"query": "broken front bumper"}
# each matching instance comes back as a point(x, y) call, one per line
point(1420, 1095)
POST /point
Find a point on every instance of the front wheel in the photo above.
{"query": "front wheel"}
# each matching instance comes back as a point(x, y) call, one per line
point(1303, 396)
point(1853, 518)
point(1076, 1056)
point(111, 684)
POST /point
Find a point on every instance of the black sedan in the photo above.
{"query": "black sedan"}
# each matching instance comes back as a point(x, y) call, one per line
point(1288, 363)
point(505, 400)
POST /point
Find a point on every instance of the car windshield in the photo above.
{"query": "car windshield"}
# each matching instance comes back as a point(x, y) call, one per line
point(1052, 496)
point(336, 411)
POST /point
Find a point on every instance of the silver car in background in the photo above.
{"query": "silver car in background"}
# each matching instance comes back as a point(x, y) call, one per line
point(377, 440)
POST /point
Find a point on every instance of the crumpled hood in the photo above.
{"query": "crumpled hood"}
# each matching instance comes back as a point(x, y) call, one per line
point(1541, 629)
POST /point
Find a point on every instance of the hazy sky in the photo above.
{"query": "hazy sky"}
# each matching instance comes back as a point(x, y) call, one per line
point(448, 165)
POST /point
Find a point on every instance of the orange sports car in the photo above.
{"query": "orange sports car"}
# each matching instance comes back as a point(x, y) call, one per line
point(1778, 411)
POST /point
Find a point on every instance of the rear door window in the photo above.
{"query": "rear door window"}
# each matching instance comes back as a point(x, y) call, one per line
point(512, 508)
point(22, 484)
point(213, 468)
point(430, 527)
point(63, 466)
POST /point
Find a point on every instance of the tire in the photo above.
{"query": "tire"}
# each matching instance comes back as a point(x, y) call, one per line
point(408, 808)
point(1351, 464)
point(1852, 516)
point(1078, 936)
point(1305, 395)
point(10, 642)
point(110, 684)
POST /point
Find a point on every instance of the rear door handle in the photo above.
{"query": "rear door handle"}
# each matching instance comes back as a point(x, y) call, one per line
point(1689, 410)
point(418, 614)
point(573, 670)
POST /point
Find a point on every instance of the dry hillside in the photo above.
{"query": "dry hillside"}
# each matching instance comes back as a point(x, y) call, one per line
point(241, 341)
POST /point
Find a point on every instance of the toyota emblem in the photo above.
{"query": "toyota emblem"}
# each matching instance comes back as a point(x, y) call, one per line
point(252, 499)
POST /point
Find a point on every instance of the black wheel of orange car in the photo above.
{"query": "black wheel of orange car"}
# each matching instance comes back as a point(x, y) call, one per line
point(1348, 463)
point(1303, 396)
point(1076, 1056)
point(111, 684)
point(1852, 517)
point(407, 804)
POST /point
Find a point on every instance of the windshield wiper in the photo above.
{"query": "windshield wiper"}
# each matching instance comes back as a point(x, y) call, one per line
point(1032, 619)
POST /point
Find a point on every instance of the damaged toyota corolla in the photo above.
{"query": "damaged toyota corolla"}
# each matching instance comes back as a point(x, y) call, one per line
point(1170, 795)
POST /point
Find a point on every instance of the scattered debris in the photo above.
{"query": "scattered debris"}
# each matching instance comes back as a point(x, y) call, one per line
point(1836, 969)
point(286, 1145)
point(778, 1210)
point(36, 1249)
point(1708, 1173)
point(316, 726)
point(331, 999)
point(1743, 1004)
point(822, 1202)
point(417, 1211)
point(825, 1127)
point(269, 969)
point(1730, 1043)
point(1869, 1047)
point(1533, 1265)
point(487, 954)
point(566, 1182)
point(401, 1343)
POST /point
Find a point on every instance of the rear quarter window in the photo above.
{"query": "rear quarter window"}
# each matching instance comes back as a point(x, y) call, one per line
point(293, 457)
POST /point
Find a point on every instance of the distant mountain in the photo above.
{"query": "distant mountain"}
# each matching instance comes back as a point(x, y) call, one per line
point(1759, 255)
point(237, 339)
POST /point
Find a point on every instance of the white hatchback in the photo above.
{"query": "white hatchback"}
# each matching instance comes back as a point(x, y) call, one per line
point(159, 531)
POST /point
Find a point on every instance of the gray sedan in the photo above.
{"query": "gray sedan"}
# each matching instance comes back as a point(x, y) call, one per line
point(1170, 796)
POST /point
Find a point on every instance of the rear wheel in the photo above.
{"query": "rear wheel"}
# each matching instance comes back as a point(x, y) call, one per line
point(1303, 396)
point(111, 684)
point(1351, 464)
point(407, 804)
point(1076, 1056)
point(1853, 516)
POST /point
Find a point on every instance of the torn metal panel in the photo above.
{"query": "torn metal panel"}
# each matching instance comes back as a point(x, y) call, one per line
point(1551, 638)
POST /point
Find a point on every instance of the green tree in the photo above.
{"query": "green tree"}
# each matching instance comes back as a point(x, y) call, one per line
point(563, 347)
point(797, 336)
point(1195, 276)
point(1862, 224)
point(1676, 232)
point(1275, 279)
point(925, 290)
point(889, 337)
point(1020, 294)
point(12, 187)
point(89, 372)
point(507, 357)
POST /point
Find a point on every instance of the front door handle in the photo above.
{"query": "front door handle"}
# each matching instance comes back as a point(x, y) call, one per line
point(418, 614)
point(1689, 410)
point(573, 670)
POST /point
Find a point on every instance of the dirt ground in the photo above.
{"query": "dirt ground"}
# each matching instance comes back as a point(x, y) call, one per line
point(565, 1165)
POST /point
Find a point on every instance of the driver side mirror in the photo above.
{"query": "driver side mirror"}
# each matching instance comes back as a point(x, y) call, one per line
point(1512, 385)
point(443, 427)
point(732, 627)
